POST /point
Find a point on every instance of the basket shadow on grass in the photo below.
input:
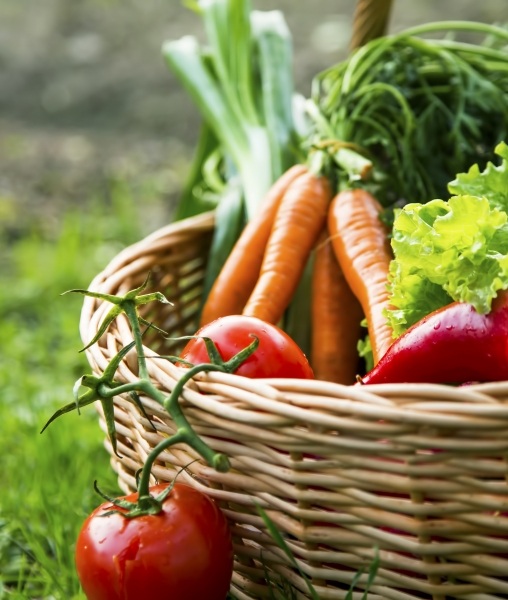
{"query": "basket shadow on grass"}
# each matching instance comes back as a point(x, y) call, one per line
point(47, 480)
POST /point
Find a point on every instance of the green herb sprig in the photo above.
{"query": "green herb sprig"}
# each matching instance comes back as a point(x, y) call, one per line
point(419, 106)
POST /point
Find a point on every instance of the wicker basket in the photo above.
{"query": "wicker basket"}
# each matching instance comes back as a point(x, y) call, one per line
point(419, 472)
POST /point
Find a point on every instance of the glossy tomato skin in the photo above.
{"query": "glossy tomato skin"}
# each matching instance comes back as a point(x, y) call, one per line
point(276, 356)
point(183, 552)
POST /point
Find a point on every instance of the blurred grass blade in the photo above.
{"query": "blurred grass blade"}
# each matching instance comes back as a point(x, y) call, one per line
point(373, 568)
point(279, 540)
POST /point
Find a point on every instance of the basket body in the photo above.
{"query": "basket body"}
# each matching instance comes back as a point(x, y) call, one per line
point(417, 471)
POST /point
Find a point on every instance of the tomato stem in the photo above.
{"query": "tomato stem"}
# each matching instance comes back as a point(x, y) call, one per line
point(184, 433)
point(105, 388)
point(132, 316)
point(214, 356)
point(172, 406)
point(239, 358)
point(144, 479)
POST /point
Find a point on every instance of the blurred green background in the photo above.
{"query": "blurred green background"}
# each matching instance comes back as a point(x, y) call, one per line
point(85, 96)
point(95, 142)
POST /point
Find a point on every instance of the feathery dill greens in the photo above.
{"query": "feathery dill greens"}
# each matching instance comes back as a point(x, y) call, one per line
point(421, 109)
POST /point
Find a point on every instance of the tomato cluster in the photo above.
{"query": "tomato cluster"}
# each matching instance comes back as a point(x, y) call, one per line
point(183, 549)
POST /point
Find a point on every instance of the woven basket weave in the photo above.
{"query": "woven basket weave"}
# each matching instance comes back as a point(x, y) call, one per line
point(418, 471)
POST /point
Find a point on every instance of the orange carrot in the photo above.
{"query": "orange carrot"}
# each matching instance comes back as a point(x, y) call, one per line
point(336, 318)
point(361, 245)
point(298, 223)
point(240, 272)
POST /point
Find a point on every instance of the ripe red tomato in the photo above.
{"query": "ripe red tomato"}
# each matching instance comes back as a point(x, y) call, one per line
point(276, 356)
point(185, 551)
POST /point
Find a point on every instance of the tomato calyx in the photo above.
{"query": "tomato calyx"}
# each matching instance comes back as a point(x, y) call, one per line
point(228, 366)
point(146, 504)
point(127, 304)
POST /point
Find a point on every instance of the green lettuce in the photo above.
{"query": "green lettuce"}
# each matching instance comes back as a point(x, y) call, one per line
point(492, 183)
point(455, 250)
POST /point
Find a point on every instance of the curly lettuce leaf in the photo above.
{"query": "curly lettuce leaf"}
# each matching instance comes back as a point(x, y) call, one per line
point(491, 183)
point(446, 251)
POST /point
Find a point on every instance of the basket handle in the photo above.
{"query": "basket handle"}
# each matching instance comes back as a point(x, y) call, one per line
point(370, 21)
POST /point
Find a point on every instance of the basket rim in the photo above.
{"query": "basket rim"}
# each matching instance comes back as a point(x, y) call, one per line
point(489, 395)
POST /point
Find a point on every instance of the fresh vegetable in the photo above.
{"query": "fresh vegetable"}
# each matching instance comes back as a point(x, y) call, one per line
point(378, 117)
point(230, 220)
point(491, 183)
point(419, 104)
point(183, 551)
point(448, 306)
point(454, 344)
point(277, 355)
point(361, 245)
point(298, 223)
point(241, 82)
point(445, 251)
point(454, 250)
point(336, 318)
point(240, 272)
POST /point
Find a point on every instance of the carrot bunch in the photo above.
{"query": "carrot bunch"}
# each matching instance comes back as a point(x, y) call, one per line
point(261, 274)
point(302, 218)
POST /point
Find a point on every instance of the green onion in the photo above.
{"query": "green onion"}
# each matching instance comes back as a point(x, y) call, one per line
point(241, 83)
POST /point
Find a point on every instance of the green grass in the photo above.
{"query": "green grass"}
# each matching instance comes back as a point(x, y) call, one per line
point(47, 480)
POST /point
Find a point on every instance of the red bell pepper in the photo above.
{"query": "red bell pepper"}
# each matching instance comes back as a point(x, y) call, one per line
point(454, 344)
